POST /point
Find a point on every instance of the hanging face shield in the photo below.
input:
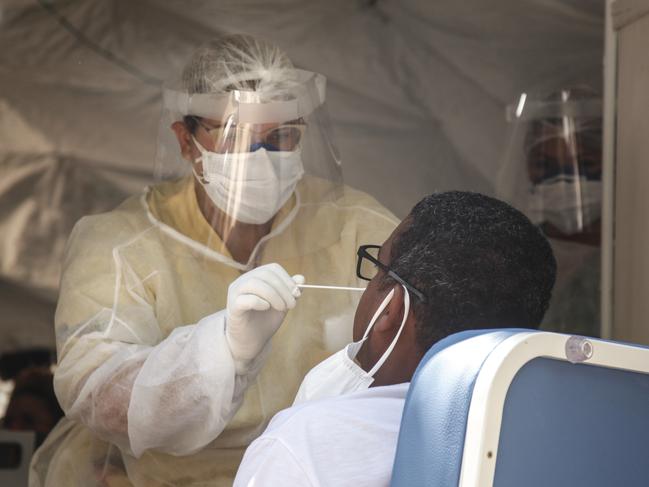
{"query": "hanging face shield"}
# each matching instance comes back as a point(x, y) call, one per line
point(553, 166)
point(250, 131)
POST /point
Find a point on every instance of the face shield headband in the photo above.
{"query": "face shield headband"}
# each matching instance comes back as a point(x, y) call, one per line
point(251, 106)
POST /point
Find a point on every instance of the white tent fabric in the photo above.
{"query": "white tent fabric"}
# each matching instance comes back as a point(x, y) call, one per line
point(417, 91)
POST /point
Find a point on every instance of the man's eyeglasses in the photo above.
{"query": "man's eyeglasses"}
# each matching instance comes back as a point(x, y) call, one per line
point(368, 265)
point(243, 137)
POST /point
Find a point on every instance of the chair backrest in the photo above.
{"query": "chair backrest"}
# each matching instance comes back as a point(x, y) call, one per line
point(512, 408)
point(16, 448)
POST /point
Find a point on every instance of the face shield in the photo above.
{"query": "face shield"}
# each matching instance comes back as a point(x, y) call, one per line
point(249, 150)
point(553, 166)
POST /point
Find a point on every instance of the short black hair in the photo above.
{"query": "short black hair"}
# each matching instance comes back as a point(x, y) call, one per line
point(479, 262)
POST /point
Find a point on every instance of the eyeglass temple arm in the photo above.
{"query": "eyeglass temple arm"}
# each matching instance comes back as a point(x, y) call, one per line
point(410, 288)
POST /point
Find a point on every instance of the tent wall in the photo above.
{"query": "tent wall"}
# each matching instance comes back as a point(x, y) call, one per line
point(631, 265)
point(416, 90)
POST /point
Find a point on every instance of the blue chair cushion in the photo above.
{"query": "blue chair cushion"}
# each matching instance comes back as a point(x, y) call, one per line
point(574, 424)
point(433, 426)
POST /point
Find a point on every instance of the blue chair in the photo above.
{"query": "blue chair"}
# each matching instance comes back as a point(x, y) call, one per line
point(523, 408)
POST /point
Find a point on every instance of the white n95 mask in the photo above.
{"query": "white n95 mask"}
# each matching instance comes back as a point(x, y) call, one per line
point(340, 374)
point(568, 202)
point(251, 187)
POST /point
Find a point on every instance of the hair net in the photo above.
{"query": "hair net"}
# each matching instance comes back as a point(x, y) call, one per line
point(238, 62)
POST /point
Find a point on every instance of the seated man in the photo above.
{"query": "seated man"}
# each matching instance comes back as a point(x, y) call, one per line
point(464, 261)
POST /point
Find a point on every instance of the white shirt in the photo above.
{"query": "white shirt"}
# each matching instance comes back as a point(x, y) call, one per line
point(346, 440)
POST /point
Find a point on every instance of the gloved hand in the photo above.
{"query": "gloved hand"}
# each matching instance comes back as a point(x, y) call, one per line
point(257, 304)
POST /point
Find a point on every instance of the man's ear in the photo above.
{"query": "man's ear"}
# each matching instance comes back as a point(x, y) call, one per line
point(184, 137)
point(390, 319)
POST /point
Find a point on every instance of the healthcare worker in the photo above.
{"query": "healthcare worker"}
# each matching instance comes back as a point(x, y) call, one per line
point(166, 369)
point(553, 173)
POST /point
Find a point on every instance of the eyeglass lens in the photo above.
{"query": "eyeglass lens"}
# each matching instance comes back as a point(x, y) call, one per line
point(369, 269)
point(241, 138)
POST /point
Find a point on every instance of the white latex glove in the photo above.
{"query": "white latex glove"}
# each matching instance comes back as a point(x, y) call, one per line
point(257, 304)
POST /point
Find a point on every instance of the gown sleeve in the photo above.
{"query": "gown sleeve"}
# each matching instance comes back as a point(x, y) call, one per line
point(117, 374)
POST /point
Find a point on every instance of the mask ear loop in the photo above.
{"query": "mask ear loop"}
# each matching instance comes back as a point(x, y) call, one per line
point(200, 148)
point(377, 313)
point(199, 159)
point(386, 354)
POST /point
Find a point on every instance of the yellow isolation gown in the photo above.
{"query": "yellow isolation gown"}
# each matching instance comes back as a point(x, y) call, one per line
point(145, 376)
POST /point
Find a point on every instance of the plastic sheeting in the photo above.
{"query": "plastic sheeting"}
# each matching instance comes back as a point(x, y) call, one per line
point(417, 92)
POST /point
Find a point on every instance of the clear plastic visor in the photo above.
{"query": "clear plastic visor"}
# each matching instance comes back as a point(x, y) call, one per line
point(252, 157)
point(552, 170)
point(237, 124)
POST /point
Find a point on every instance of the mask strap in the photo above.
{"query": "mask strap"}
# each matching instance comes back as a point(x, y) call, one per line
point(378, 312)
point(386, 354)
point(200, 148)
point(201, 179)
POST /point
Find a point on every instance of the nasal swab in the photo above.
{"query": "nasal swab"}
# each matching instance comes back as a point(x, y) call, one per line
point(341, 288)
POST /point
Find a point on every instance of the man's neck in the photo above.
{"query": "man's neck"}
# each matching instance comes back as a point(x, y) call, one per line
point(399, 368)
